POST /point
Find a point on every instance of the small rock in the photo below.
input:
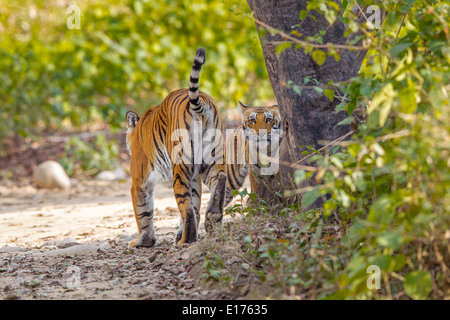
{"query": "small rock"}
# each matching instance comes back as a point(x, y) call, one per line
point(33, 283)
point(106, 176)
point(10, 249)
point(185, 255)
point(105, 246)
point(51, 175)
point(73, 251)
point(120, 174)
point(68, 242)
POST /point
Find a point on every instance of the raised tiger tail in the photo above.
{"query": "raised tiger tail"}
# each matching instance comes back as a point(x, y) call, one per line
point(199, 60)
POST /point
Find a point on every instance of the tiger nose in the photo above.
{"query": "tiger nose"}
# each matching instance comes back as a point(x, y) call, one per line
point(261, 133)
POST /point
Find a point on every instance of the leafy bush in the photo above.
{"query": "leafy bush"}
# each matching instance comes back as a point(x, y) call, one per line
point(387, 186)
point(390, 182)
point(89, 158)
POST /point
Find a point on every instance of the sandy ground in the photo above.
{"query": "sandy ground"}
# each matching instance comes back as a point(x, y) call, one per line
point(90, 211)
point(73, 245)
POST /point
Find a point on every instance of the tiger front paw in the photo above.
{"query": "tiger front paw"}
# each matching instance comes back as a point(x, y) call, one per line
point(144, 240)
point(211, 219)
point(133, 243)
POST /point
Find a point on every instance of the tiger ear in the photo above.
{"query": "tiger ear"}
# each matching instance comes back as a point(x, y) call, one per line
point(132, 119)
point(242, 107)
point(276, 108)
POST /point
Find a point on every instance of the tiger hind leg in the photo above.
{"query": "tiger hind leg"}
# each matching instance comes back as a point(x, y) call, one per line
point(142, 197)
point(196, 195)
point(182, 187)
point(214, 211)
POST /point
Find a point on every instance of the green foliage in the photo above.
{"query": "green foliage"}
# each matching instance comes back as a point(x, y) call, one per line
point(126, 53)
point(215, 269)
point(418, 284)
point(390, 182)
point(292, 254)
point(250, 206)
point(386, 188)
point(89, 158)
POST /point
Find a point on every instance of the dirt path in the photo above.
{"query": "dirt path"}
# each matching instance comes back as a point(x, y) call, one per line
point(73, 245)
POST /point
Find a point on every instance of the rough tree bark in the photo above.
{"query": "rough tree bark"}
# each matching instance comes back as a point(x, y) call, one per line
point(309, 118)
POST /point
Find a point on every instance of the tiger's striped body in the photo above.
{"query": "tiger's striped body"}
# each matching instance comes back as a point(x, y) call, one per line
point(260, 128)
point(157, 157)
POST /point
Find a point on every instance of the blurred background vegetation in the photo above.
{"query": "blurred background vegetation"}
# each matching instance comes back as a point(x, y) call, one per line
point(126, 55)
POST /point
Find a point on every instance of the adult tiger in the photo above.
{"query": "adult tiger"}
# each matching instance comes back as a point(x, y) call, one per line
point(162, 143)
point(259, 133)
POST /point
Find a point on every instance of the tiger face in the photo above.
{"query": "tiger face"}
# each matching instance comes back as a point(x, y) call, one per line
point(261, 125)
point(258, 136)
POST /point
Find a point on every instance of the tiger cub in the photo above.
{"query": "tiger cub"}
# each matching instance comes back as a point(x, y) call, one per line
point(157, 157)
point(260, 130)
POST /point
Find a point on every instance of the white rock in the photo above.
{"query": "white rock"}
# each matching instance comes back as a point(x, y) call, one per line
point(120, 174)
point(72, 251)
point(68, 242)
point(10, 249)
point(51, 175)
point(106, 176)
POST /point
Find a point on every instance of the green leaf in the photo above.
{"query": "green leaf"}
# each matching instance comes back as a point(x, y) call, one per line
point(409, 3)
point(407, 96)
point(355, 234)
point(339, 295)
point(318, 89)
point(382, 102)
point(398, 262)
point(296, 33)
point(281, 47)
point(303, 14)
point(393, 240)
point(309, 197)
point(243, 193)
point(382, 261)
point(253, 195)
point(345, 199)
point(329, 93)
point(381, 211)
point(347, 120)
point(297, 90)
point(418, 285)
point(299, 176)
point(319, 57)
point(399, 48)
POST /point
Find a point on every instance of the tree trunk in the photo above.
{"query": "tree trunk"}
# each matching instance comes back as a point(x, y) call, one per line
point(309, 119)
